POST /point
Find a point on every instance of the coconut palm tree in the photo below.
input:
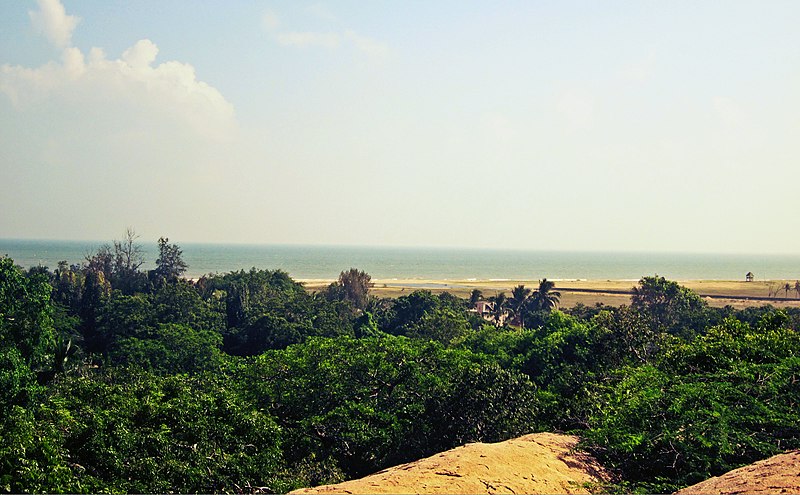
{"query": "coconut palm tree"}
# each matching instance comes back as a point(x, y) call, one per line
point(475, 296)
point(545, 298)
point(499, 308)
point(518, 303)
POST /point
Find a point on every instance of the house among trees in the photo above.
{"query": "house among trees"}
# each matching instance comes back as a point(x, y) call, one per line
point(749, 277)
point(483, 308)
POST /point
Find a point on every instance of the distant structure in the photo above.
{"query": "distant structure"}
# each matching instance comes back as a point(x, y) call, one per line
point(483, 308)
point(749, 277)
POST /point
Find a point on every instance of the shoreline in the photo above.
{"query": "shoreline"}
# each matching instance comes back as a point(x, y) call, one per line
point(718, 293)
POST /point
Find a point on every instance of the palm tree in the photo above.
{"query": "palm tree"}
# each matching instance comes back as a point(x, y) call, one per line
point(499, 306)
point(787, 288)
point(545, 298)
point(475, 296)
point(797, 288)
point(518, 302)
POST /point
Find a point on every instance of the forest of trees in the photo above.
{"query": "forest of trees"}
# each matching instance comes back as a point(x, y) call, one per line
point(117, 379)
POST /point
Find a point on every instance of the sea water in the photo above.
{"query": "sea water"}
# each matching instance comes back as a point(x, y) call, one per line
point(325, 262)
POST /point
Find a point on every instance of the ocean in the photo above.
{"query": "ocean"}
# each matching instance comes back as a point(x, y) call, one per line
point(325, 262)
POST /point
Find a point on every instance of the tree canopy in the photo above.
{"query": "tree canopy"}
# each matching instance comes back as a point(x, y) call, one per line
point(247, 382)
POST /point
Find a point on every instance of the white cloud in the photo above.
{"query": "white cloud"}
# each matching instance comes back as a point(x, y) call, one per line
point(329, 40)
point(365, 44)
point(140, 55)
point(133, 87)
point(52, 20)
point(332, 40)
point(308, 38)
point(114, 140)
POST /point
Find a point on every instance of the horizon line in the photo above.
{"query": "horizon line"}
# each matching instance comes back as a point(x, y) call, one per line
point(99, 243)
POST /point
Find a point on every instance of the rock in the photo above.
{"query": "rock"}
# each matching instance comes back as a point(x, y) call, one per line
point(536, 463)
point(778, 474)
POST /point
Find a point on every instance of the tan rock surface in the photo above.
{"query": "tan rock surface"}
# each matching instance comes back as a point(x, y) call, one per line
point(536, 463)
point(779, 474)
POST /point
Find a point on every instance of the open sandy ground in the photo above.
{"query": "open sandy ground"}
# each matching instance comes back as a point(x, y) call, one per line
point(603, 290)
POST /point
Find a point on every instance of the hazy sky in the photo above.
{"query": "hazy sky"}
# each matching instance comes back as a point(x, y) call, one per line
point(639, 125)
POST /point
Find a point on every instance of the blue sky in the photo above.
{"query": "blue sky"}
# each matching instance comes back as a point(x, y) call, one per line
point(635, 126)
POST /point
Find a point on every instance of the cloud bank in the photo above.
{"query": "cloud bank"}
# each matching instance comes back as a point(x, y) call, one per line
point(103, 141)
point(135, 82)
point(52, 21)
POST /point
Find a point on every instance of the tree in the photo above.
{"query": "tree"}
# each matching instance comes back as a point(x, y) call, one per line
point(101, 261)
point(669, 306)
point(443, 324)
point(519, 302)
point(170, 264)
point(355, 285)
point(25, 314)
point(797, 288)
point(67, 284)
point(94, 293)
point(130, 431)
point(170, 349)
point(370, 403)
point(725, 399)
point(499, 308)
point(475, 296)
point(545, 298)
point(128, 258)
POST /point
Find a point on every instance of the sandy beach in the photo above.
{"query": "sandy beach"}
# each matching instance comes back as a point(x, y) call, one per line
point(740, 294)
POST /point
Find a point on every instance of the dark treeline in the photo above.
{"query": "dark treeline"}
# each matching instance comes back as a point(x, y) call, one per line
point(116, 379)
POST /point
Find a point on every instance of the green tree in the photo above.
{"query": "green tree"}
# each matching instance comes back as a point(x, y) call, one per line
point(423, 315)
point(443, 325)
point(101, 261)
point(518, 303)
point(630, 338)
point(67, 285)
point(475, 296)
point(25, 314)
point(182, 303)
point(369, 403)
point(544, 298)
point(499, 308)
point(407, 310)
point(171, 349)
point(136, 432)
point(669, 306)
point(94, 293)
point(17, 380)
point(169, 264)
point(722, 400)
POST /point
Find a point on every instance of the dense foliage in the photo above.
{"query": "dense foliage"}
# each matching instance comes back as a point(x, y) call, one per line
point(116, 380)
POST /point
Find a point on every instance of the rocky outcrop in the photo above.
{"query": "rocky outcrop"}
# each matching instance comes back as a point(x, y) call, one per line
point(778, 474)
point(536, 463)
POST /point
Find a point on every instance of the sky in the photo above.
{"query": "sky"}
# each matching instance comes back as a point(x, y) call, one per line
point(536, 125)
